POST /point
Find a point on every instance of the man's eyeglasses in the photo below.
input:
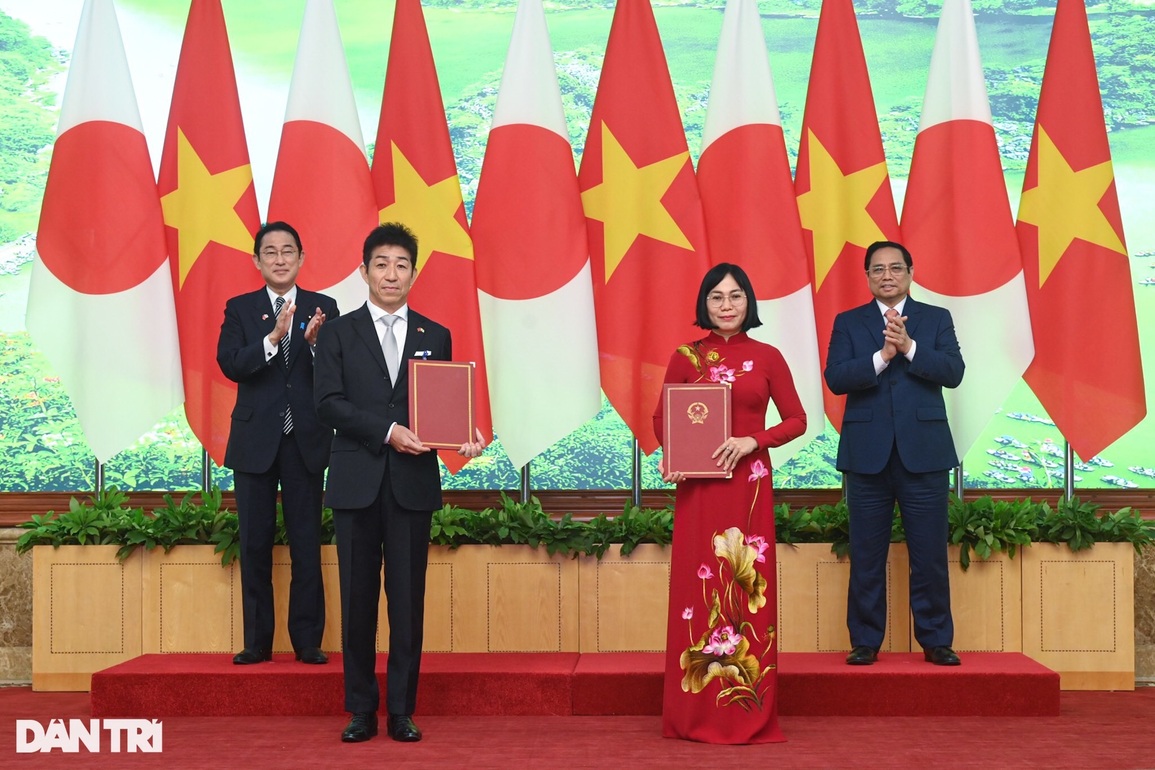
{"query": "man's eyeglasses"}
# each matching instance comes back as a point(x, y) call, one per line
point(289, 252)
point(717, 299)
point(877, 271)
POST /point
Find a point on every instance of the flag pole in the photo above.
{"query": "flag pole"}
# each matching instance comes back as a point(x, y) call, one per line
point(206, 471)
point(958, 481)
point(636, 474)
point(99, 468)
point(525, 492)
point(1068, 470)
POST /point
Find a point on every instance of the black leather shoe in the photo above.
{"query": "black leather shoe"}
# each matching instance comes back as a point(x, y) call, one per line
point(361, 728)
point(312, 655)
point(941, 656)
point(401, 728)
point(862, 656)
point(251, 655)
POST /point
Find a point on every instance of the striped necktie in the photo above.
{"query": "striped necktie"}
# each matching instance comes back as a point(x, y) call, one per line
point(277, 307)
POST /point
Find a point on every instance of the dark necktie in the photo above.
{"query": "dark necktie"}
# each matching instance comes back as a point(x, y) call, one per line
point(277, 307)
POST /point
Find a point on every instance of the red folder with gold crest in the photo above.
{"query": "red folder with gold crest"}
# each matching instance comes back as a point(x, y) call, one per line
point(697, 421)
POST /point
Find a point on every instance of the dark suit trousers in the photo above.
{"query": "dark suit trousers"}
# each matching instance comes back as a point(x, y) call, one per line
point(922, 500)
point(365, 536)
point(257, 513)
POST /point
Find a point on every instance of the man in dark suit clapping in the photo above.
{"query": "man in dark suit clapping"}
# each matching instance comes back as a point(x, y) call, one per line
point(384, 484)
point(266, 347)
point(892, 357)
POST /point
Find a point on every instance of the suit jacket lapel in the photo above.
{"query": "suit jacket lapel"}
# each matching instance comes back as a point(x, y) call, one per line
point(305, 308)
point(365, 328)
point(870, 318)
point(913, 312)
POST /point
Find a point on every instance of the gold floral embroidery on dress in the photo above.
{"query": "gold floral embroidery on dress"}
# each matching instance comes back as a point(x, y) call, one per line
point(710, 364)
point(729, 649)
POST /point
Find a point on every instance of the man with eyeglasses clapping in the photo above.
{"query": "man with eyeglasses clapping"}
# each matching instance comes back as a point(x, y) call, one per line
point(275, 440)
point(891, 358)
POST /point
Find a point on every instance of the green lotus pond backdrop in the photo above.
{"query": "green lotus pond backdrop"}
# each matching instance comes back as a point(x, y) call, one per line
point(40, 438)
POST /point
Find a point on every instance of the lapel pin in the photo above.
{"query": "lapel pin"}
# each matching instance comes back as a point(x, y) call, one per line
point(265, 317)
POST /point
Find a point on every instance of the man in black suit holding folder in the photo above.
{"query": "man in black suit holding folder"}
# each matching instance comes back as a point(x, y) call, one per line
point(383, 483)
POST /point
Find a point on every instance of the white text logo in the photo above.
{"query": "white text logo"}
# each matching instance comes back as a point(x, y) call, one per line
point(131, 735)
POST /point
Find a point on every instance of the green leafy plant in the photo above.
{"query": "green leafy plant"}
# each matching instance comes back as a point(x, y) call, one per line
point(985, 526)
point(980, 527)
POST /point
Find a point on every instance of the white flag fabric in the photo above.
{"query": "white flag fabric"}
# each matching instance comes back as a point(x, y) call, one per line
point(100, 304)
point(751, 215)
point(532, 258)
point(957, 224)
point(321, 185)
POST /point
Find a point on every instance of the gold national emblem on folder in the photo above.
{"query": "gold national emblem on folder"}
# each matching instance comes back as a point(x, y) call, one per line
point(697, 421)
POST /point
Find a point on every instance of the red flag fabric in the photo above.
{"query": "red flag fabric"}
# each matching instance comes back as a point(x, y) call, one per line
point(751, 215)
point(416, 183)
point(1087, 375)
point(843, 189)
point(321, 185)
point(101, 272)
point(210, 213)
point(644, 218)
point(533, 266)
point(956, 221)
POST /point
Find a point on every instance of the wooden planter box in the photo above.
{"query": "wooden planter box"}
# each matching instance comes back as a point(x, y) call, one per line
point(986, 603)
point(1072, 612)
point(1079, 613)
point(86, 613)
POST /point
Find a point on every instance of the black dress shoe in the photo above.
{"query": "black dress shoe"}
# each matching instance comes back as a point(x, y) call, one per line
point(361, 728)
point(941, 656)
point(312, 655)
point(251, 655)
point(401, 728)
point(862, 656)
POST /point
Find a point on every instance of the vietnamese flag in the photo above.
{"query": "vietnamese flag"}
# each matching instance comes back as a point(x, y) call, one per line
point(644, 217)
point(1087, 371)
point(321, 185)
point(210, 213)
point(843, 188)
point(416, 183)
point(751, 214)
point(100, 281)
point(956, 221)
point(533, 266)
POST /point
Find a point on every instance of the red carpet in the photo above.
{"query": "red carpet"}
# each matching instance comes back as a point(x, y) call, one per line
point(1092, 730)
point(564, 684)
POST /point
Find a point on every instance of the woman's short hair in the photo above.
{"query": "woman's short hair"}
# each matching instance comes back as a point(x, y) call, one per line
point(713, 277)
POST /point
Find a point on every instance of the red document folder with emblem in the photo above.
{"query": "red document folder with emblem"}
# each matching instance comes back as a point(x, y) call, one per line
point(697, 421)
point(441, 408)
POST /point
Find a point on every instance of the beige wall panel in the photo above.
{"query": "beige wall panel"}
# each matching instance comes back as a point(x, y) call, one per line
point(1079, 613)
point(439, 605)
point(986, 603)
point(85, 613)
point(190, 603)
point(812, 584)
point(624, 600)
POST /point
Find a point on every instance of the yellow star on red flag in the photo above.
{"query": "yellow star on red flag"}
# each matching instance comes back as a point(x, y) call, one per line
point(834, 208)
point(430, 210)
point(1064, 205)
point(629, 200)
point(202, 207)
